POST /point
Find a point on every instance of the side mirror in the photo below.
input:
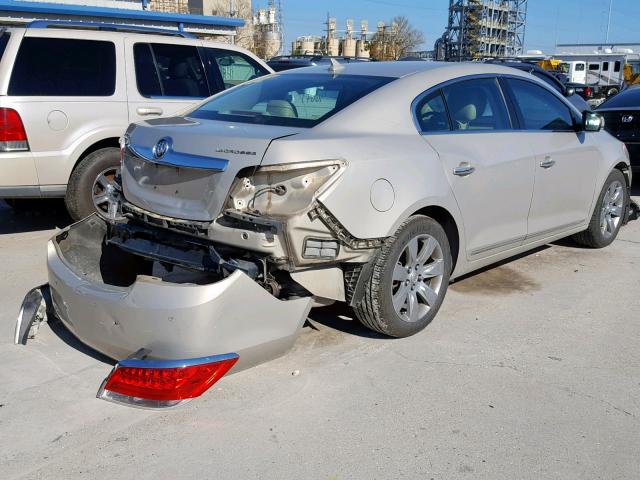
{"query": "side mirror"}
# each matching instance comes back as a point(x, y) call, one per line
point(569, 91)
point(592, 122)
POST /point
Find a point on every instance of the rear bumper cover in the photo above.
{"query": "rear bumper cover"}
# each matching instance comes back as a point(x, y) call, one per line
point(170, 320)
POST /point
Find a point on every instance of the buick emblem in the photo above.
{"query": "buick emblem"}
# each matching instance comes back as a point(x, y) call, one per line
point(627, 118)
point(161, 148)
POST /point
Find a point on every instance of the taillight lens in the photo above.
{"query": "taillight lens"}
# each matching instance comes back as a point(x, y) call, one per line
point(13, 137)
point(162, 384)
point(587, 92)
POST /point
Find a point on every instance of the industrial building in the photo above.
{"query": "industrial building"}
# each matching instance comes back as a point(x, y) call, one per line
point(336, 42)
point(480, 29)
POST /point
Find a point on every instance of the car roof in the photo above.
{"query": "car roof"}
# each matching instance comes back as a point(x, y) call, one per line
point(403, 69)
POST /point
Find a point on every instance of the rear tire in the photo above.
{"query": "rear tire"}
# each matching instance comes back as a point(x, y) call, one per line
point(409, 279)
point(608, 214)
point(82, 184)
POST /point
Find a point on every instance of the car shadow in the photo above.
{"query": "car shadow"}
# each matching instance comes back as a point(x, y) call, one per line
point(341, 317)
point(64, 334)
point(33, 216)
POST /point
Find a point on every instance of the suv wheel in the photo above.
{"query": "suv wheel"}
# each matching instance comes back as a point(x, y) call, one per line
point(409, 279)
point(92, 186)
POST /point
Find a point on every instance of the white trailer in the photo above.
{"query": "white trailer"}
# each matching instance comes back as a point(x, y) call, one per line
point(604, 73)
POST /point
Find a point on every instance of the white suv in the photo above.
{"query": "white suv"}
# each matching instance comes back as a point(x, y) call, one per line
point(68, 94)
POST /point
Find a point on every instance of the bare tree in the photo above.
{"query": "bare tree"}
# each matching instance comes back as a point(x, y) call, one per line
point(395, 41)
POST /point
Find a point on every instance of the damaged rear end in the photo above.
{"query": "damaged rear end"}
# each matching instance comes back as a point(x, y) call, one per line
point(211, 258)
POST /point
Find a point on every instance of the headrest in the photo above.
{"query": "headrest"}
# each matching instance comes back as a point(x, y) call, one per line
point(281, 108)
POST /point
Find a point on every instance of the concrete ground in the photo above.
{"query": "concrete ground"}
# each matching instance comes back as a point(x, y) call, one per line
point(531, 370)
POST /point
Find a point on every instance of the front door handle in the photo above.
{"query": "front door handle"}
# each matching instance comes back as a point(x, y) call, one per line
point(463, 170)
point(149, 111)
point(548, 162)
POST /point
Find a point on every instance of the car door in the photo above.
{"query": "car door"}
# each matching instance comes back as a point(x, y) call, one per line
point(565, 160)
point(163, 78)
point(489, 167)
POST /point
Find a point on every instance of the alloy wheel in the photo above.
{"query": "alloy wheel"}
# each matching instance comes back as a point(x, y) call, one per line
point(417, 278)
point(106, 191)
point(612, 209)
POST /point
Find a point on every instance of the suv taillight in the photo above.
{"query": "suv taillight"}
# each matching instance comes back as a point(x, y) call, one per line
point(13, 138)
point(587, 92)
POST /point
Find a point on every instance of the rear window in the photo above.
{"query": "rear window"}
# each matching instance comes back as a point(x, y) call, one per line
point(64, 67)
point(297, 100)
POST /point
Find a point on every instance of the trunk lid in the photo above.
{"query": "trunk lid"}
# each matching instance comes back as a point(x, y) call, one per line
point(192, 179)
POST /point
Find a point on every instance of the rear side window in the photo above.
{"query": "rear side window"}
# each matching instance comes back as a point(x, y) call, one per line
point(579, 67)
point(616, 66)
point(234, 68)
point(476, 105)
point(164, 70)
point(605, 66)
point(431, 113)
point(594, 66)
point(539, 109)
point(64, 67)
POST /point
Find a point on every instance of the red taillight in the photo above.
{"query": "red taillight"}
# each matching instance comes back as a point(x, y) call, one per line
point(158, 384)
point(587, 92)
point(12, 134)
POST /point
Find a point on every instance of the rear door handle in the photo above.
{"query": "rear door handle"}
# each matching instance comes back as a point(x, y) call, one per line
point(149, 111)
point(463, 170)
point(548, 162)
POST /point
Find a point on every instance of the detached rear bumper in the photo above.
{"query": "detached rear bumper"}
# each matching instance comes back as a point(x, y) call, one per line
point(118, 316)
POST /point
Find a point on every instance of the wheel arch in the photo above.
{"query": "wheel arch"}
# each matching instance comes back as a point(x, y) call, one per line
point(100, 144)
point(626, 171)
point(448, 223)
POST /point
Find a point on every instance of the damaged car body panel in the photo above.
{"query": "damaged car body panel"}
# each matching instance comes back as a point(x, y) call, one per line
point(116, 303)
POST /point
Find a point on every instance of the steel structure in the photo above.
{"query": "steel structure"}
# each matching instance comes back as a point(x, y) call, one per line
point(485, 29)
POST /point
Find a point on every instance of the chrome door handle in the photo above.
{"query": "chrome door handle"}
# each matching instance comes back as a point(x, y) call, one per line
point(149, 111)
point(463, 170)
point(548, 162)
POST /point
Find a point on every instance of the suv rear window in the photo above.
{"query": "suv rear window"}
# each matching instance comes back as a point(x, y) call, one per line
point(64, 67)
point(296, 100)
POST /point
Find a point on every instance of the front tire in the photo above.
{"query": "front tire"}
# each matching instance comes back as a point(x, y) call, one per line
point(409, 279)
point(92, 185)
point(608, 215)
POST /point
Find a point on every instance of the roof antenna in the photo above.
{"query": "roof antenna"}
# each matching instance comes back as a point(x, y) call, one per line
point(335, 66)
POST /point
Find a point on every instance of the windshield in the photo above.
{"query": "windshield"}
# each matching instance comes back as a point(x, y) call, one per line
point(291, 100)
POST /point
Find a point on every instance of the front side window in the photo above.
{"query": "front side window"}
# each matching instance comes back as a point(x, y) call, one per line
point(64, 67)
point(234, 67)
point(165, 70)
point(476, 105)
point(297, 100)
point(431, 113)
point(539, 108)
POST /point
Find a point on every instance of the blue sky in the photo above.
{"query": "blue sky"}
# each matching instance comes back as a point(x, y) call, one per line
point(548, 21)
